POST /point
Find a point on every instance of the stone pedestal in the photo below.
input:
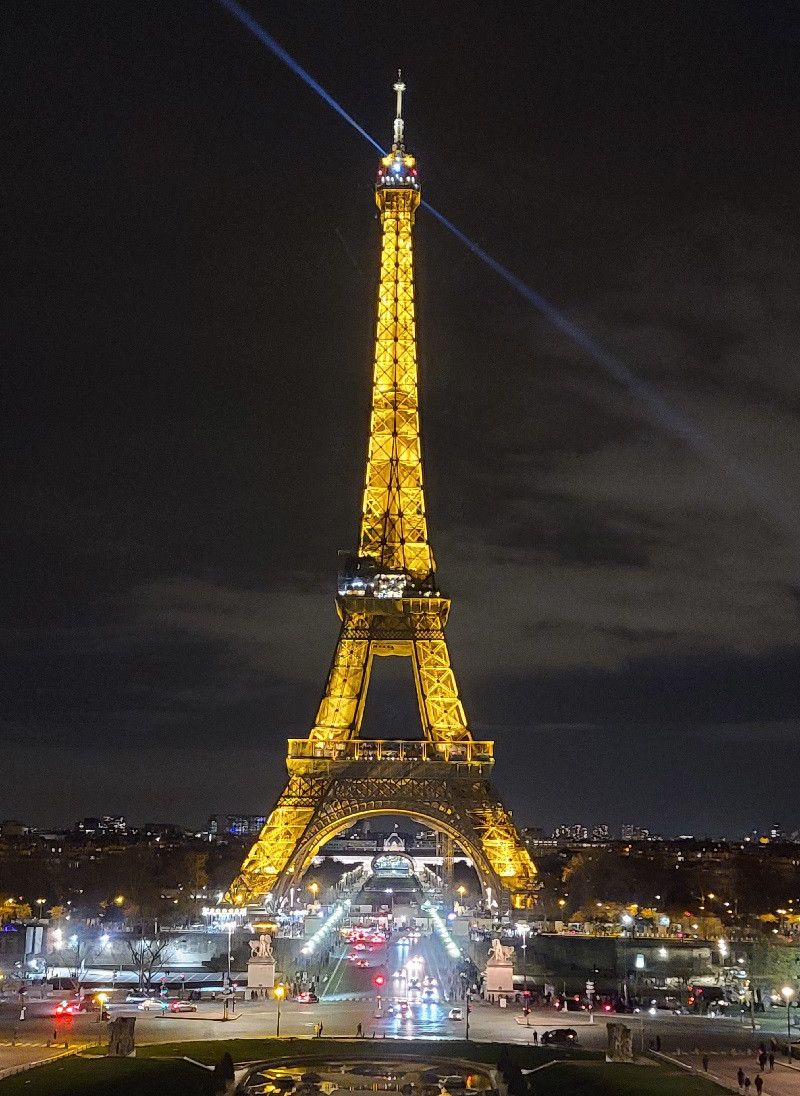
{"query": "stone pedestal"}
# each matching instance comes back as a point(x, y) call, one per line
point(620, 1043)
point(121, 1041)
point(499, 978)
point(260, 974)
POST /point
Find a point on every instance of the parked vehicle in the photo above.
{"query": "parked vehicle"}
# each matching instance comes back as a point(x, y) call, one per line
point(560, 1036)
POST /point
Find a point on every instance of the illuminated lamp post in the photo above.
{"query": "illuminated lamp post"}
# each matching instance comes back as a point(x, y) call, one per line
point(279, 995)
point(787, 993)
point(523, 929)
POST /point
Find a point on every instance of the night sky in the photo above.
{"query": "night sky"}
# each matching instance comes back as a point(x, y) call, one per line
point(191, 251)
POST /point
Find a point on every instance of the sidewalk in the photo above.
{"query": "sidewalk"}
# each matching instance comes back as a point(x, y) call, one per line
point(785, 1081)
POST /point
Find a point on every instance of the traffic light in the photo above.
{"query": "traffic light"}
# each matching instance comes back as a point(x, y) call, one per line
point(378, 979)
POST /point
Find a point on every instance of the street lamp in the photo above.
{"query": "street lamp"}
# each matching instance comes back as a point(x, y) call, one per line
point(314, 887)
point(787, 993)
point(40, 902)
point(230, 930)
point(279, 992)
point(462, 890)
point(523, 929)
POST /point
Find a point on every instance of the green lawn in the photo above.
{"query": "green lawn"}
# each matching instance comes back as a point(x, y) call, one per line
point(253, 1050)
point(158, 1068)
point(110, 1077)
point(590, 1079)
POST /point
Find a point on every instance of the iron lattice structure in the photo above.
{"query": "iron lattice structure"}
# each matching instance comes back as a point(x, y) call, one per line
point(389, 604)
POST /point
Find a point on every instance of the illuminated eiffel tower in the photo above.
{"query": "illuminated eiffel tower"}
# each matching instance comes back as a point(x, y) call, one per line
point(390, 604)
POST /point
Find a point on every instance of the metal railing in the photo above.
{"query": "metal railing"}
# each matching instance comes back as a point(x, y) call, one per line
point(388, 749)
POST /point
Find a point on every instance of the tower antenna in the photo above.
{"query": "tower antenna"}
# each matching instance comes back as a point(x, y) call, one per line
point(399, 87)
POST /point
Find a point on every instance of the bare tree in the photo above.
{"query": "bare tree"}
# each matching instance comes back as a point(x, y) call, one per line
point(149, 953)
point(75, 955)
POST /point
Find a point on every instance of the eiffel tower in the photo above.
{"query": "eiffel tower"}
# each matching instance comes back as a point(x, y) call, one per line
point(390, 604)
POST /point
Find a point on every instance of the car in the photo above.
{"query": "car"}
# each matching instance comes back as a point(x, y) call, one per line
point(307, 997)
point(182, 1006)
point(150, 1004)
point(64, 1008)
point(563, 1036)
point(362, 963)
point(429, 995)
point(135, 998)
point(456, 1013)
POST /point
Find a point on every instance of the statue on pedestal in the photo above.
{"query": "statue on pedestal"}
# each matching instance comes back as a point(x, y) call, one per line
point(261, 948)
point(500, 954)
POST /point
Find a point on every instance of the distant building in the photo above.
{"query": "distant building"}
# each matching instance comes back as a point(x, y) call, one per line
point(601, 833)
point(571, 833)
point(630, 832)
point(104, 826)
point(10, 827)
point(239, 825)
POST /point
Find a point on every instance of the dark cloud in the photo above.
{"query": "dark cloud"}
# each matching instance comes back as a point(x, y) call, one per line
point(185, 407)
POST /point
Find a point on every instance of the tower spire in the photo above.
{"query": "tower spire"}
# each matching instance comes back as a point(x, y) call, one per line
point(399, 87)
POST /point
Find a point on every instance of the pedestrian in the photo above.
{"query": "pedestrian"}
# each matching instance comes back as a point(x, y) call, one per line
point(705, 1063)
point(759, 1083)
point(359, 1030)
point(320, 1031)
point(747, 1084)
point(762, 1060)
point(316, 1031)
point(658, 1042)
point(771, 1060)
point(535, 1037)
point(773, 1044)
point(740, 1079)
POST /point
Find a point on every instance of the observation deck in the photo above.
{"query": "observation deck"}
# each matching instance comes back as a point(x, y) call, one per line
point(400, 756)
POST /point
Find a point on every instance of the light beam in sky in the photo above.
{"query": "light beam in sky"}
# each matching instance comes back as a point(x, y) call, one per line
point(671, 420)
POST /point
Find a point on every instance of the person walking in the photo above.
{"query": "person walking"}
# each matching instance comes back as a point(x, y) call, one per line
point(759, 1083)
point(740, 1079)
point(762, 1060)
point(747, 1084)
point(320, 1031)
point(658, 1042)
point(705, 1063)
point(535, 1037)
point(359, 1030)
point(771, 1060)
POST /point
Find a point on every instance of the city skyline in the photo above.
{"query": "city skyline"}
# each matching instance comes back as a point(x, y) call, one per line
point(187, 411)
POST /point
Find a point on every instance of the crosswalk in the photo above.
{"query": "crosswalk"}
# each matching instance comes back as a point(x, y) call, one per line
point(73, 1044)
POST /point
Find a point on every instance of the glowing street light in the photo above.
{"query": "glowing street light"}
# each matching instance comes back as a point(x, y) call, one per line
point(788, 994)
point(462, 890)
point(314, 887)
point(118, 901)
point(280, 993)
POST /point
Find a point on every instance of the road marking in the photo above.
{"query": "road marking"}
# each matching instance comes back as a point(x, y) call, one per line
point(329, 983)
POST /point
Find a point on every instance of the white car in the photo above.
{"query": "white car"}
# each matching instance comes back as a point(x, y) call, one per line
point(151, 1004)
point(456, 1013)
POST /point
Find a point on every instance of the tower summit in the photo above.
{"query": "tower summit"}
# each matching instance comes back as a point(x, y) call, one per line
point(390, 605)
